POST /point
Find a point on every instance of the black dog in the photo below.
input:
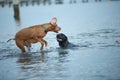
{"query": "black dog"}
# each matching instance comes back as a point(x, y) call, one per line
point(63, 41)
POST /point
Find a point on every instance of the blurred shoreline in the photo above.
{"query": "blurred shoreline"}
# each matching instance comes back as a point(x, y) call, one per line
point(9, 3)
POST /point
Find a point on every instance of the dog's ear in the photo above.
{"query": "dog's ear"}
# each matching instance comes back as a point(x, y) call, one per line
point(54, 20)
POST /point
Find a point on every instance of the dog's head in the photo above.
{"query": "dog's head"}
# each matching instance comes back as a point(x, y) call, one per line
point(52, 26)
point(61, 37)
point(62, 40)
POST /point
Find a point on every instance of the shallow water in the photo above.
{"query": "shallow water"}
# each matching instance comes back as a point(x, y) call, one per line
point(95, 27)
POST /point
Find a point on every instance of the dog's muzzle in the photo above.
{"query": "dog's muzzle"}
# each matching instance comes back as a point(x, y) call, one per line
point(59, 40)
point(57, 29)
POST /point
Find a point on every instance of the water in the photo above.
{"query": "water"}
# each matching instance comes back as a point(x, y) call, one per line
point(95, 27)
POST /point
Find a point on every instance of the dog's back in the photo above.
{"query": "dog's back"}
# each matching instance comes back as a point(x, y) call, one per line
point(30, 32)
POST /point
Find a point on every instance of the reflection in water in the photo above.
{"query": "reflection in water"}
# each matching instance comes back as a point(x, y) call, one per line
point(18, 21)
point(35, 57)
point(28, 58)
point(24, 58)
point(62, 55)
point(35, 66)
point(31, 63)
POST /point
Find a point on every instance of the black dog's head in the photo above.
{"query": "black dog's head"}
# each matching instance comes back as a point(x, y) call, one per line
point(62, 40)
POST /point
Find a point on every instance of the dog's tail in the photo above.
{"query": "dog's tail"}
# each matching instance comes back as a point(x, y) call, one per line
point(10, 39)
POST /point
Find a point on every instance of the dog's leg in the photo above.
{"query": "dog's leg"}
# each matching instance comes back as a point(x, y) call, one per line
point(28, 45)
point(45, 42)
point(20, 44)
point(41, 41)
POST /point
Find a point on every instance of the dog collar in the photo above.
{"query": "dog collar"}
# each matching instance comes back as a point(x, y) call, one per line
point(44, 27)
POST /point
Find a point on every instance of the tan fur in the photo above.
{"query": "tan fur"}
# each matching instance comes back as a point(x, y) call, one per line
point(35, 34)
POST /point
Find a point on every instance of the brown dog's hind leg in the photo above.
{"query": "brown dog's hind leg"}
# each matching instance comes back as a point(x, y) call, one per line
point(20, 44)
point(28, 45)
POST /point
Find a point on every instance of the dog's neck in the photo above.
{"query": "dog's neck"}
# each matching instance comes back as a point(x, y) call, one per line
point(45, 28)
point(63, 44)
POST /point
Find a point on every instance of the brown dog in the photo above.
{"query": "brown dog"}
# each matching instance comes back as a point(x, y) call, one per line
point(35, 34)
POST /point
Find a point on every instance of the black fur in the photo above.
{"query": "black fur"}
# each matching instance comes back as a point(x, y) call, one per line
point(63, 41)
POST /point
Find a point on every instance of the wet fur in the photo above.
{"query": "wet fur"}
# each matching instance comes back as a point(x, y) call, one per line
point(63, 41)
point(34, 34)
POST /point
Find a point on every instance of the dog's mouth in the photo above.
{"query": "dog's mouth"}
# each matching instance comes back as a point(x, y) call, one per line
point(56, 31)
point(59, 40)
